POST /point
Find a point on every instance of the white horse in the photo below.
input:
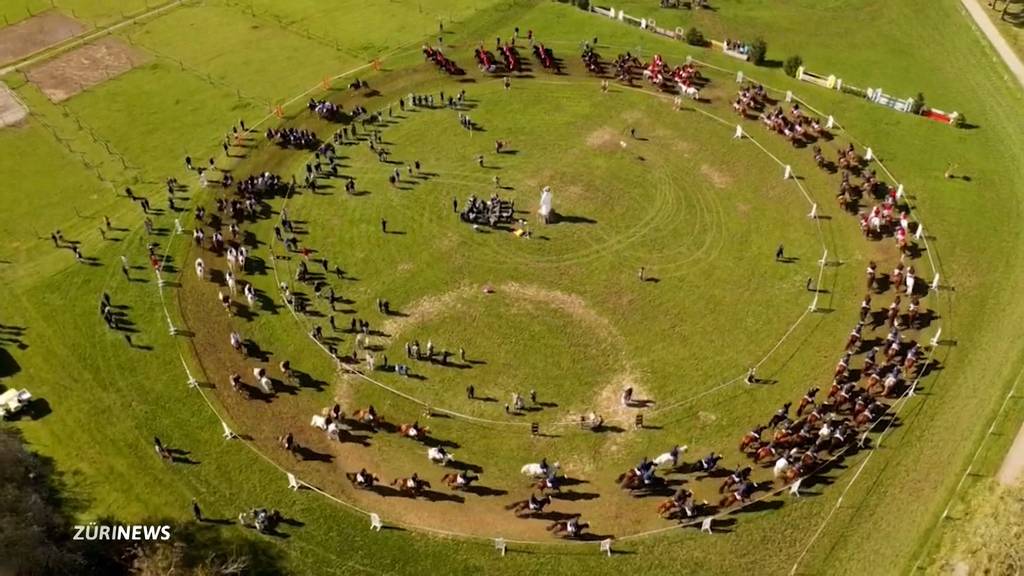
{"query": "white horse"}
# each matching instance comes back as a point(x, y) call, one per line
point(691, 92)
point(318, 421)
point(781, 465)
point(535, 470)
point(672, 456)
point(438, 455)
point(232, 285)
point(266, 385)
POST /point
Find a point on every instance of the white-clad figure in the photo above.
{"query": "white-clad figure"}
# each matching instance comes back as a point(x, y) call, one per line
point(200, 268)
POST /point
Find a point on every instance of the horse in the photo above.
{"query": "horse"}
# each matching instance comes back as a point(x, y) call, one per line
point(531, 505)
point(414, 431)
point(368, 417)
point(741, 495)
point(572, 528)
point(460, 480)
point(439, 455)
point(550, 483)
point(691, 92)
point(752, 438)
point(808, 399)
point(781, 466)
point(366, 484)
point(411, 486)
point(538, 470)
point(672, 456)
point(738, 476)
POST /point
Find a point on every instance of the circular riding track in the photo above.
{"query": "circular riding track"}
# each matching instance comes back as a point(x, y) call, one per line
point(638, 183)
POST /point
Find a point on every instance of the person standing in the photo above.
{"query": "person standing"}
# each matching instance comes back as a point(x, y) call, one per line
point(197, 513)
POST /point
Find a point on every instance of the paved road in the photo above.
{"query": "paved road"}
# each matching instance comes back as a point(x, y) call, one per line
point(977, 12)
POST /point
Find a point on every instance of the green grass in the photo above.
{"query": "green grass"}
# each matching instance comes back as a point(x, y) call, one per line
point(104, 411)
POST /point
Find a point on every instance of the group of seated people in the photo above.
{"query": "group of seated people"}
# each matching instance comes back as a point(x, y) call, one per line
point(488, 212)
point(293, 138)
point(737, 47)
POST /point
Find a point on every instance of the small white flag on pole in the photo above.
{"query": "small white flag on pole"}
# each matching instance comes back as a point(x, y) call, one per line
point(229, 434)
point(899, 191)
point(375, 522)
point(739, 133)
point(177, 226)
point(293, 482)
point(739, 77)
point(788, 172)
point(606, 546)
point(705, 526)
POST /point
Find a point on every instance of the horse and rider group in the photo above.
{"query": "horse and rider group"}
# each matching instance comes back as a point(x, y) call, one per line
point(830, 421)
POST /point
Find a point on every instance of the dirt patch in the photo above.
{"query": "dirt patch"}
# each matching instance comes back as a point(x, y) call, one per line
point(38, 32)
point(717, 178)
point(12, 110)
point(1012, 470)
point(82, 68)
point(603, 139)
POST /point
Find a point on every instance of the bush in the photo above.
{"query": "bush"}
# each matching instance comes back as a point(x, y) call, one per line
point(792, 64)
point(695, 37)
point(758, 50)
point(583, 4)
point(918, 106)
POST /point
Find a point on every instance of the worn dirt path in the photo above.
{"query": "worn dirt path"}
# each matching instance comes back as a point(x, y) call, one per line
point(1013, 62)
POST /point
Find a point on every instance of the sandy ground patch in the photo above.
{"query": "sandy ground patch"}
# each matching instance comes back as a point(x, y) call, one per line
point(28, 36)
point(12, 110)
point(1012, 470)
point(603, 139)
point(80, 69)
point(717, 178)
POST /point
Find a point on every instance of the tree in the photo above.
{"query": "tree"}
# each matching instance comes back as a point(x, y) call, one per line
point(695, 37)
point(758, 50)
point(37, 521)
point(33, 514)
point(792, 64)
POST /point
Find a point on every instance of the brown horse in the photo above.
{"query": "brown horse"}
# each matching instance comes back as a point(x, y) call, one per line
point(452, 481)
point(412, 486)
point(414, 431)
point(368, 417)
point(366, 485)
point(752, 438)
point(571, 528)
point(531, 505)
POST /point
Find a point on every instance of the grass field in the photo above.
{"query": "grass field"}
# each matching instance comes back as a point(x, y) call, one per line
point(703, 214)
